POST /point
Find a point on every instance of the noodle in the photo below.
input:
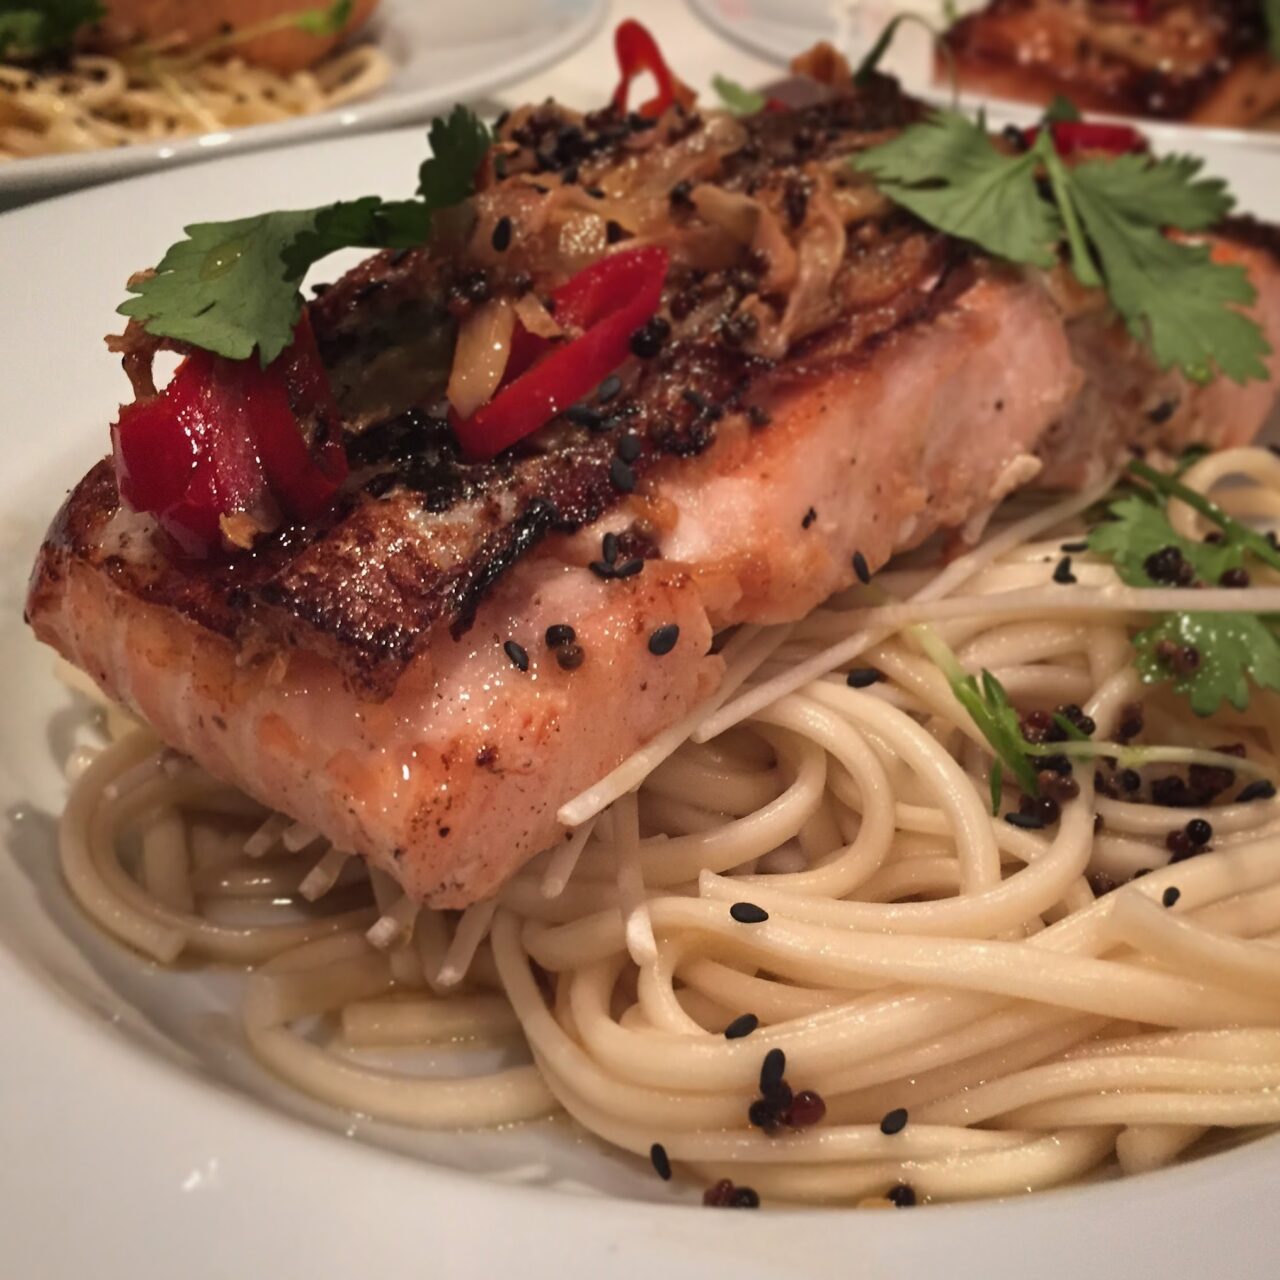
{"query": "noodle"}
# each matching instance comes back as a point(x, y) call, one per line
point(1037, 1023)
point(100, 101)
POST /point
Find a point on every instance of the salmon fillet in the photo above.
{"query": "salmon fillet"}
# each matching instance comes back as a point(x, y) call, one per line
point(1206, 63)
point(384, 674)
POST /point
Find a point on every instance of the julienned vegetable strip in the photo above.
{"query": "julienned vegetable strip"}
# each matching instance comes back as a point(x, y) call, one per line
point(608, 301)
point(638, 52)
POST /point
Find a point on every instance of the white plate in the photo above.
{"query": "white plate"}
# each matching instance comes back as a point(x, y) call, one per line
point(780, 29)
point(138, 1141)
point(441, 53)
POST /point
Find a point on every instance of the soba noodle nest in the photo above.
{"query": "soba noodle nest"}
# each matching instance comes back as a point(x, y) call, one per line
point(1044, 1003)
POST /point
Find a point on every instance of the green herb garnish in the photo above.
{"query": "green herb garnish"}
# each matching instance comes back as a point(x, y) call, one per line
point(232, 287)
point(1110, 214)
point(43, 28)
point(736, 99)
point(1233, 649)
point(988, 705)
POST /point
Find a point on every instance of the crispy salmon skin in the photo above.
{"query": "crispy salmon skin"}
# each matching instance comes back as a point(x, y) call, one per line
point(430, 668)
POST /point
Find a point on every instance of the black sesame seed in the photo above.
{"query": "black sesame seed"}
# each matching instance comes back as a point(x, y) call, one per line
point(772, 1069)
point(1260, 789)
point(743, 1025)
point(596, 193)
point(1062, 574)
point(609, 548)
point(1025, 821)
point(809, 517)
point(862, 677)
point(1170, 896)
point(621, 474)
point(1179, 844)
point(602, 569)
point(570, 656)
point(748, 913)
point(758, 417)
point(501, 239)
point(745, 1198)
point(560, 633)
point(894, 1121)
point(519, 657)
point(762, 1114)
point(1199, 831)
point(663, 639)
point(647, 340)
point(608, 389)
point(582, 416)
point(628, 568)
point(1130, 780)
point(661, 1161)
point(1235, 578)
point(1074, 548)
point(630, 446)
point(902, 1196)
point(861, 568)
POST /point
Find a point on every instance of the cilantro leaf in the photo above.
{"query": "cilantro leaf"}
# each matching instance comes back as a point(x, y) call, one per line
point(1112, 215)
point(459, 142)
point(1232, 648)
point(1170, 294)
point(1164, 192)
point(33, 28)
point(739, 101)
point(946, 171)
point(225, 287)
point(1138, 529)
point(325, 22)
point(232, 287)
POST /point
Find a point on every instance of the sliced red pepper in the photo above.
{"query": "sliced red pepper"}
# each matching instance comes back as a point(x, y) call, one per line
point(638, 52)
point(224, 437)
point(609, 301)
point(1073, 136)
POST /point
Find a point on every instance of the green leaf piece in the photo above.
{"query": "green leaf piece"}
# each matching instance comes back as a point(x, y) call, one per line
point(736, 99)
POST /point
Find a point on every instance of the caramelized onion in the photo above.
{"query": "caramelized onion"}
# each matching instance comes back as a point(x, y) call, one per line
point(480, 357)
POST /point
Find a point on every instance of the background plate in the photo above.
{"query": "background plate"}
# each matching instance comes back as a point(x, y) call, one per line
point(779, 29)
point(139, 1141)
point(441, 53)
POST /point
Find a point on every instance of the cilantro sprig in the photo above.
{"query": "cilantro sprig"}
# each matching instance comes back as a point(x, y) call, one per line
point(232, 287)
point(1111, 215)
point(42, 28)
point(1232, 651)
point(993, 714)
